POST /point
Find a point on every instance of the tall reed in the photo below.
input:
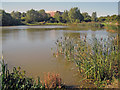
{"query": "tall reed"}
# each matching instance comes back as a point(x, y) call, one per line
point(96, 59)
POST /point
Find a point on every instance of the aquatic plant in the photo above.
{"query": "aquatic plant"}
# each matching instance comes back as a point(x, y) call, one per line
point(96, 59)
point(52, 80)
point(18, 80)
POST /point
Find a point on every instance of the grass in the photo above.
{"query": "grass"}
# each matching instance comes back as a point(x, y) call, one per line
point(40, 23)
point(89, 24)
point(18, 80)
point(92, 24)
point(96, 60)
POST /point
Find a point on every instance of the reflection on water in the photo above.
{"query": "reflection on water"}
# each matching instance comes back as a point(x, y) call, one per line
point(30, 48)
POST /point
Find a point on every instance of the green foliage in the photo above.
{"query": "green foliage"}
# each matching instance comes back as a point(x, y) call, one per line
point(65, 16)
point(18, 80)
point(32, 16)
point(16, 15)
point(7, 19)
point(87, 17)
point(94, 16)
point(72, 16)
point(58, 16)
point(101, 19)
point(44, 16)
point(75, 15)
point(113, 18)
point(97, 60)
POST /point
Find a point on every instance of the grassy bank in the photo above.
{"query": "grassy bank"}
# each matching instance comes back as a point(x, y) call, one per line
point(39, 23)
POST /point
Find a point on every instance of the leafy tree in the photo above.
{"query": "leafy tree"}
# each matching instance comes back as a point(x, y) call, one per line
point(108, 19)
point(94, 16)
point(65, 16)
point(51, 20)
point(8, 20)
point(16, 15)
point(101, 19)
point(0, 17)
point(23, 16)
point(58, 16)
point(32, 16)
point(44, 16)
point(87, 17)
point(75, 15)
point(118, 19)
point(114, 18)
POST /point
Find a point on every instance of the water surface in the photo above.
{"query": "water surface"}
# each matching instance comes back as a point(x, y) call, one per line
point(30, 48)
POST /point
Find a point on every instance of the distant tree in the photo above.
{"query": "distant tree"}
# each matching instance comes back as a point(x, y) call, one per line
point(58, 16)
point(94, 16)
point(0, 17)
point(108, 18)
point(87, 17)
point(65, 16)
point(16, 15)
point(101, 19)
point(32, 16)
point(114, 18)
point(75, 15)
point(23, 14)
point(8, 20)
point(118, 19)
point(44, 16)
point(51, 20)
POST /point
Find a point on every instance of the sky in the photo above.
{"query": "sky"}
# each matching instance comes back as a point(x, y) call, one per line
point(60, 0)
point(102, 8)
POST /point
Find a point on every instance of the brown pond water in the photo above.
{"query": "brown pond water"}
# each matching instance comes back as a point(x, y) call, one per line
point(30, 48)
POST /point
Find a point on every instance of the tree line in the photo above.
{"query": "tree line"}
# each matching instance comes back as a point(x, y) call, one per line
point(32, 16)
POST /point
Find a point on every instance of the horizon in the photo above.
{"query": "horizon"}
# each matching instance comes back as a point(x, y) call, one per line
point(102, 8)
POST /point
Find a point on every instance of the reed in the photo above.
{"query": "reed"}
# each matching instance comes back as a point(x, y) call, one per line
point(52, 80)
point(96, 59)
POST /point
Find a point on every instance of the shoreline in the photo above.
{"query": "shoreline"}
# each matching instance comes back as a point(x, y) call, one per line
point(65, 24)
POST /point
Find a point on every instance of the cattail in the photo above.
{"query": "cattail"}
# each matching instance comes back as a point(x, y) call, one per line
point(114, 48)
point(101, 38)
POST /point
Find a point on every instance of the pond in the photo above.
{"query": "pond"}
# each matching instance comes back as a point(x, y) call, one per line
point(30, 48)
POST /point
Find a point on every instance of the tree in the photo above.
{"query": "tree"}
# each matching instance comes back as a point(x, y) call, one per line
point(87, 17)
point(32, 16)
point(0, 17)
point(101, 19)
point(94, 16)
point(58, 16)
point(16, 15)
point(114, 18)
point(65, 16)
point(8, 20)
point(51, 20)
point(23, 14)
point(75, 15)
point(44, 16)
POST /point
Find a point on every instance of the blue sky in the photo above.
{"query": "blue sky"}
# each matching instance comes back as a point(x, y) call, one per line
point(60, 0)
point(102, 8)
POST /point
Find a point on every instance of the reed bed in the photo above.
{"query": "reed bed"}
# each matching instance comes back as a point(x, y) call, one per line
point(96, 59)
